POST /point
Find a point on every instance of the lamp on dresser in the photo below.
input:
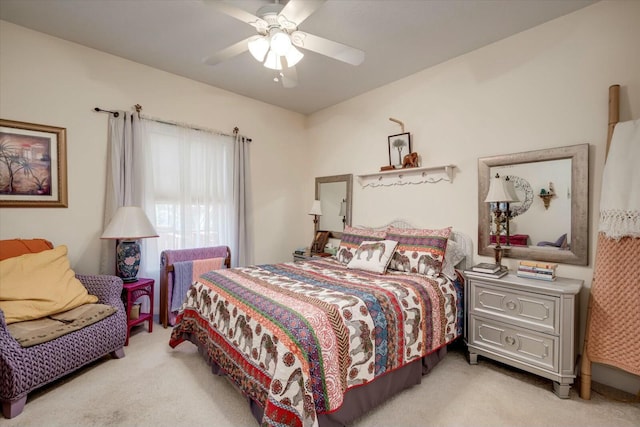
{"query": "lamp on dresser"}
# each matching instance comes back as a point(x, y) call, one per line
point(316, 211)
point(501, 191)
point(127, 226)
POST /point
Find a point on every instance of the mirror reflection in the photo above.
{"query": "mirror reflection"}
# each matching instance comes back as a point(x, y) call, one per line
point(550, 220)
point(334, 193)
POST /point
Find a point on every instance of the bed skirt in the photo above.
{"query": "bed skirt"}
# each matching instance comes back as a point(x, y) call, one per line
point(357, 401)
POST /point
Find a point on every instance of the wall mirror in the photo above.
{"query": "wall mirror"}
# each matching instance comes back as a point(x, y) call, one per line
point(334, 193)
point(550, 222)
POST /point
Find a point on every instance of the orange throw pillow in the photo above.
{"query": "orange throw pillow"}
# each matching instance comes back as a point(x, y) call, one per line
point(17, 247)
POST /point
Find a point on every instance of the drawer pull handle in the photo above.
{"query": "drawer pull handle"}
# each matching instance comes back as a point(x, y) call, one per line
point(510, 340)
point(511, 305)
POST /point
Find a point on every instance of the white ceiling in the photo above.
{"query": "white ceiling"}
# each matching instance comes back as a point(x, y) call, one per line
point(399, 38)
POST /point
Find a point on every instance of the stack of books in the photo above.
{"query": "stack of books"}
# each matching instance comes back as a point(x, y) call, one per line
point(485, 269)
point(537, 270)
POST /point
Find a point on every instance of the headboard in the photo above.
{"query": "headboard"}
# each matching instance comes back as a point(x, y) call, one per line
point(464, 241)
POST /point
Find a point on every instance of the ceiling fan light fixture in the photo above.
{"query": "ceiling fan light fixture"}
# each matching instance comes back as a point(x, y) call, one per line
point(273, 61)
point(293, 56)
point(280, 43)
point(259, 47)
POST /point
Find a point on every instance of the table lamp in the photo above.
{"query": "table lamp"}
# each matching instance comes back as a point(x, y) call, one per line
point(316, 211)
point(500, 191)
point(129, 224)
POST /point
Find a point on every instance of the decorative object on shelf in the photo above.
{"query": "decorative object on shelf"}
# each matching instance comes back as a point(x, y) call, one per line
point(319, 242)
point(387, 168)
point(343, 212)
point(410, 160)
point(399, 146)
point(547, 195)
point(407, 176)
point(500, 191)
point(128, 225)
point(34, 174)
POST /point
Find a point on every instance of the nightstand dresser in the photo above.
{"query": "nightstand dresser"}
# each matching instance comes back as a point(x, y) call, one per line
point(526, 323)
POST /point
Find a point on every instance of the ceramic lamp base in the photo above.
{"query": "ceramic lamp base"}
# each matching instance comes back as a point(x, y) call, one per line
point(128, 260)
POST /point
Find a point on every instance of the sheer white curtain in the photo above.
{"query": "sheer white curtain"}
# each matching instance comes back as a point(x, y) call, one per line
point(192, 184)
point(188, 190)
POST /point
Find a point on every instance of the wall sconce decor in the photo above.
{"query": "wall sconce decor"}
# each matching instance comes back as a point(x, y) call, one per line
point(343, 212)
point(501, 191)
point(547, 195)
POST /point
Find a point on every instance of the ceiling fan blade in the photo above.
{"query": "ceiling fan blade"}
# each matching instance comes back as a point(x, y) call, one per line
point(228, 52)
point(332, 49)
point(289, 77)
point(297, 11)
point(234, 12)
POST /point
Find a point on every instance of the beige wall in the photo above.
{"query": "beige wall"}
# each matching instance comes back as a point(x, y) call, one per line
point(49, 81)
point(546, 87)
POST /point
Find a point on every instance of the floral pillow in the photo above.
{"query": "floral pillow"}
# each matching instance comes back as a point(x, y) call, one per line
point(419, 250)
point(373, 256)
point(351, 239)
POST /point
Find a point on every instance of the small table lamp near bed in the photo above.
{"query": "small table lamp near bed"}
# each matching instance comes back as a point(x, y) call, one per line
point(501, 191)
point(129, 224)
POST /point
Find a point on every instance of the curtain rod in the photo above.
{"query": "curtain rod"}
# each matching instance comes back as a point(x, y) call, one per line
point(138, 109)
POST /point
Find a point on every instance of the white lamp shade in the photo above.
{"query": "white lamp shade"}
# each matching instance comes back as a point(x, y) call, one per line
point(258, 47)
point(280, 43)
point(129, 223)
point(511, 190)
point(498, 191)
point(273, 61)
point(293, 56)
point(316, 209)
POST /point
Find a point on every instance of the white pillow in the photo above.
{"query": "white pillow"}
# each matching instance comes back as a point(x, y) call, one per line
point(452, 256)
point(373, 256)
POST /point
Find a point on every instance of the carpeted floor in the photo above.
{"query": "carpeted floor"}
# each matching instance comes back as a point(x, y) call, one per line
point(155, 385)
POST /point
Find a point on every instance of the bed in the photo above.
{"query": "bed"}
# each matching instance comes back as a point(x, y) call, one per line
point(321, 342)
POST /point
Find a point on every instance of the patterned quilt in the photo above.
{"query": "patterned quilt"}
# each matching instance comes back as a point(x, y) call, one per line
point(296, 336)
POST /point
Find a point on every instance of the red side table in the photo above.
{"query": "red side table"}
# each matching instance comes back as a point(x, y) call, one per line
point(135, 290)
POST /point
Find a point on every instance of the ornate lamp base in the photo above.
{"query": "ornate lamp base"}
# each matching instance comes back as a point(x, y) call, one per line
point(497, 255)
point(128, 260)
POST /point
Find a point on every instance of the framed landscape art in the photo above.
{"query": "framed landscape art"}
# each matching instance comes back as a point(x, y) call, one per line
point(33, 165)
point(399, 146)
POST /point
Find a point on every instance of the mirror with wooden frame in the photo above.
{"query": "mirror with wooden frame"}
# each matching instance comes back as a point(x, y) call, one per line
point(550, 222)
point(334, 193)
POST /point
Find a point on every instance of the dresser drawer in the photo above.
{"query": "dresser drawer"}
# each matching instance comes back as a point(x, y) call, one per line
point(520, 308)
point(533, 348)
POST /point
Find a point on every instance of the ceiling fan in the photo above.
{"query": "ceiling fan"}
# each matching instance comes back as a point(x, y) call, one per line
point(278, 38)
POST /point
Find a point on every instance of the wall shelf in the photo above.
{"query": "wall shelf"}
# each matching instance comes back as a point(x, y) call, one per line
point(406, 176)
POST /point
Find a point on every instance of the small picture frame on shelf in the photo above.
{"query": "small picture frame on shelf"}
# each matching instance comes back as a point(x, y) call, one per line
point(399, 146)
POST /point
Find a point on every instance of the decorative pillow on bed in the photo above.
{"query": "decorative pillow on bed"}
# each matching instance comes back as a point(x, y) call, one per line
point(373, 255)
point(452, 257)
point(419, 250)
point(351, 239)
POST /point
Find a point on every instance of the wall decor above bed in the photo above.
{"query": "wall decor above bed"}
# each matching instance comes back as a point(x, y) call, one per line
point(431, 174)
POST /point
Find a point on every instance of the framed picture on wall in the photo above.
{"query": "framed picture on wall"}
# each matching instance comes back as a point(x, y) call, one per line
point(399, 146)
point(33, 165)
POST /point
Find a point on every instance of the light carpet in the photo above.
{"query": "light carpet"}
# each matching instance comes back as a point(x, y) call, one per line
point(155, 385)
